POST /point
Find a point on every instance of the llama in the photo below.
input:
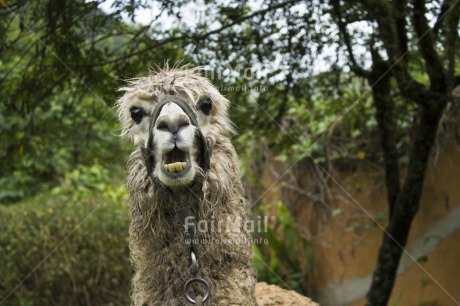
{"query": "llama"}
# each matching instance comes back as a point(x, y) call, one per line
point(186, 198)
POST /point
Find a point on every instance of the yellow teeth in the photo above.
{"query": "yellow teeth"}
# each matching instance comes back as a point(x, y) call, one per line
point(175, 167)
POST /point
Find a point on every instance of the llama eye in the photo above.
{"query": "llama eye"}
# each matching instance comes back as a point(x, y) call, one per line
point(206, 106)
point(137, 114)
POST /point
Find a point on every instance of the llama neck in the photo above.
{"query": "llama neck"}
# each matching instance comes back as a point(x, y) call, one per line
point(221, 194)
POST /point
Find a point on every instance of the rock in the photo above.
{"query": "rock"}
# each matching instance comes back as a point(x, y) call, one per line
point(271, 295)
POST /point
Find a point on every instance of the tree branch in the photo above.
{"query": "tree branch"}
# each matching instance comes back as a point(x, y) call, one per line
point(450, 47)
point(382, 12)
point(385, 115)
point(11, 8)
point(194, 37)
point(399, 11)
point(445, 6)
point(427, 42)
point(358, 70)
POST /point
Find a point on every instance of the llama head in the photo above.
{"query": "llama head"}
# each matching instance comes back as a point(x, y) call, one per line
point(172, 115)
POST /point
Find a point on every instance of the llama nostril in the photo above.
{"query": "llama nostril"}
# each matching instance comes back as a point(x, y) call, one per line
point(172, 125)
point(162, 125)
point(183, 122)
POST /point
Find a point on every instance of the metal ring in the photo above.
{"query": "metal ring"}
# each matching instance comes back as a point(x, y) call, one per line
point(193, 257)
point(197, 280)
point(194, 266)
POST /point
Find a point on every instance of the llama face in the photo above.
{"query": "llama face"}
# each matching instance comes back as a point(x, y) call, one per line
point(176, 147)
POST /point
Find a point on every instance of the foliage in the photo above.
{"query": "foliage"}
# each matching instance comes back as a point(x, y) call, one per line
point(311, 68)
point(68, 246)
point(287, 259)
point(55, 146)
point(318, 127)
point(60, 65)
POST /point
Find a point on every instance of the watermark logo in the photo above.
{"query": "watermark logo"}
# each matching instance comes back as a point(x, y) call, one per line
point(241, 88)
point(226, 76)
point(228, 241)
point(229, 230)
point(233, 225)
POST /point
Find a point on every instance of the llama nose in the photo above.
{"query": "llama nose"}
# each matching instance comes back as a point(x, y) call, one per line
point(172, 123)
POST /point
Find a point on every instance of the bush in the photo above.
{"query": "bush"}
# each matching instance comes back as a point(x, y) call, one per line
point(287, 260)
point(66, 247)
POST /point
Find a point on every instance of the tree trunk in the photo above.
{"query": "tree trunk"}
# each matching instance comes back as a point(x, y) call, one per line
point(406, 206)
point(392, 18)
point(385, 116)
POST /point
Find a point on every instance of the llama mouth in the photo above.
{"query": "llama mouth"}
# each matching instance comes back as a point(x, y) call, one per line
point(176, 162)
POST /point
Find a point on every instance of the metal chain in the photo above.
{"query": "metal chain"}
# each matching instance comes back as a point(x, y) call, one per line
point(199, 300)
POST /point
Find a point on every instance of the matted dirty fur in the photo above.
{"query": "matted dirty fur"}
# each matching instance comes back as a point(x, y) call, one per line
point(156, 239)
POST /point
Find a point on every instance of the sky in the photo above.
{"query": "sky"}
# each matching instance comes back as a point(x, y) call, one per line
point(193, 11)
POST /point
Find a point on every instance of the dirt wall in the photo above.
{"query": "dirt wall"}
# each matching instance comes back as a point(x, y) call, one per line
point(345, 216)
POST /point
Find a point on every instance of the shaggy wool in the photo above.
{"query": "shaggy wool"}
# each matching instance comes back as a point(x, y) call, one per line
point(156, 240)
